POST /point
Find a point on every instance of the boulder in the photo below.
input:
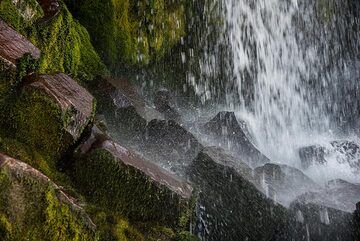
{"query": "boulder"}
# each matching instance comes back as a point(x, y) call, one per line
point(343, 151)
point(122, 107)
point(228, 130)
point(118, 180)
point(51, 113)
point(323, 223)
point(32, 207)
point(283, 183)
point(16, 59)
point(162, 102)
point(171, 144)
point(338, 194)
point(312, 155)
point(230, 207)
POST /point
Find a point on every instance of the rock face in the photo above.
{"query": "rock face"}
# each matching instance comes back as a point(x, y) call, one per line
point(116, 179)
point(227, 129)
point(33, 207)
point(338, 194)
point(50, 8)
point(232, 208)
point(162, 103)
point(356, 222)
point(170, 142)
point(283, 183)
point(345, 152)
point(51, 113)
point(323, 223)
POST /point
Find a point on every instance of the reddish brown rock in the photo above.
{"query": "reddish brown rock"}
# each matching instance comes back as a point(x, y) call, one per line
point(13, 45)
point(50, 7)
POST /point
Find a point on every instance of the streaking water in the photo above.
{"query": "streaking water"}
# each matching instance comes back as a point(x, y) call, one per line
point(287, 75)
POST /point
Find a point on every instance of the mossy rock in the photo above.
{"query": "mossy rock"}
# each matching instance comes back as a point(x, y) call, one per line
point(66, 47)
point(131, 32)
point(34, 208)
point(20, 14)
point(118, 180)
point(51, 113)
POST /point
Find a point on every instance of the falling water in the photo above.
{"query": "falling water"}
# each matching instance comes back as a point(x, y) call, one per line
point(289, 66)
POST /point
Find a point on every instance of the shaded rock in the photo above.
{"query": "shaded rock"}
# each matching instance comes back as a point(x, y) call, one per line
point(228, 129)
point(33, 207)
point(51, 113)
point(231, 208)
point(344, 152)
point(312, 155)
point(162, 102)
point(356, 222)
point(50, 8)
point(284, 183)
point(323, 223)
point(117, 179)
point(13, 45)
point(171, 143)
point(121, 106)
point(338, 194)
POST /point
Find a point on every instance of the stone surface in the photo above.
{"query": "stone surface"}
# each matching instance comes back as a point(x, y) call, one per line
point(337, 194)
point(284, 183)
point(171, 144)
point(51, 113)
point(13, 45)
point(232, 208)
point(343, 151)
point(321, 223)
point(117, 179)
point(162, 102)
point(33, 207)
point(50, 8)
point(228, 130)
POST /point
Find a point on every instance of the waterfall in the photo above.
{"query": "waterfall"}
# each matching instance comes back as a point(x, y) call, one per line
point(288, 67)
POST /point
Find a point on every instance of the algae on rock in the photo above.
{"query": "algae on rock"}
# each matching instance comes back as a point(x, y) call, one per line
point(131, 33)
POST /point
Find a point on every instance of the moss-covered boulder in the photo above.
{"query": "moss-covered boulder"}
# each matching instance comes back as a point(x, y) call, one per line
point(17, 58)
point(66, 47)
point(51, 113)
point(131, 32)
point(118, 180)
point(21, 13)
point(32, 207)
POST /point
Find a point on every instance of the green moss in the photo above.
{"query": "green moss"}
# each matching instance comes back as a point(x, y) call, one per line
point(66, 47)
point(131, 32)
point(115, 186)
point(21, 14)
point(39, 123)
point(125, 232)
point(61, 224)
point(36, 211)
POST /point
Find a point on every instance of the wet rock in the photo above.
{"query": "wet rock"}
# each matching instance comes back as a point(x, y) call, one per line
point(338, 194)
point(323, 223)
point(117, 179)
point(50, 7)
point(51, 113)
point(162, 102)
point(33, 207)
point(171, 143)
point(228, 130)
point(356, 222)
point(283, 183)
point(122, 107)
point(312, 155)
point(230, 207)
point(344, 152)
